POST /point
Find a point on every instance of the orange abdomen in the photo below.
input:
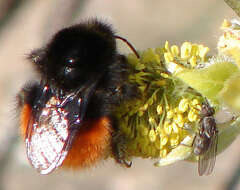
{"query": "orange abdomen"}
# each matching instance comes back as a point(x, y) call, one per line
point(24, 119)
point(91, 144)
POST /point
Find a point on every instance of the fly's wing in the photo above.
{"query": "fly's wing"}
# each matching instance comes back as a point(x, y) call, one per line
point(48, 139)
point(207, 161)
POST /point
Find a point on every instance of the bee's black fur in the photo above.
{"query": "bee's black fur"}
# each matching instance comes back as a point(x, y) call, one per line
point(90, 45)
point(93, 46)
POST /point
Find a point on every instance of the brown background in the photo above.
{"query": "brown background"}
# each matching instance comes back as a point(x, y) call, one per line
point(146, 23)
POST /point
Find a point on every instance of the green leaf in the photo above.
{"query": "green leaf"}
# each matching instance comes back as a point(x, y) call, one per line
point(230, 94)
point(227, 134)
point(208, 81)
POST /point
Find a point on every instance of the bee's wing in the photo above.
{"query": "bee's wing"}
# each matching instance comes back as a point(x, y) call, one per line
point(48, 140)
point(207, 161)
point(50, 134)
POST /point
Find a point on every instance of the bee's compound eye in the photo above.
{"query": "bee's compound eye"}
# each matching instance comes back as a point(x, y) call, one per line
point(71, 62)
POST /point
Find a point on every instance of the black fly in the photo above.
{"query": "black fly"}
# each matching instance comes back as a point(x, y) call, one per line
point(205, 142)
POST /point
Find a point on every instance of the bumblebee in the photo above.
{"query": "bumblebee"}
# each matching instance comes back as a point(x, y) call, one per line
point(205, 142)
point(66, 117)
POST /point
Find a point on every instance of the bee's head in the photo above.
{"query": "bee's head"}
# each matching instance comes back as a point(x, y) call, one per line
point(76, 54)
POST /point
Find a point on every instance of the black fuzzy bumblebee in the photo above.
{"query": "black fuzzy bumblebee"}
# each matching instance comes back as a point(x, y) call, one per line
point(66, 117)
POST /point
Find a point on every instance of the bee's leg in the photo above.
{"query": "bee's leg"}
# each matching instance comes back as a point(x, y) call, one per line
point(119, 143)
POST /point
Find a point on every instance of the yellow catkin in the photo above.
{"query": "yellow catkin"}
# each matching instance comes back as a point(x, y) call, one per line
point(152, 135)
point(175, 128)
point(178, 118)
point(170, 114)
point(152, 121)
point(193, 61)
point(163, 153)
point(195, 50)
point(192, 116)
point(167, 128)
point(168, 57)
point(158, 129)
point(175, 50)
point(183, 105)
point(180, 124)
point(163, 141)
point(144, 131)
point(167, 107)
point(159, 109)
point(195, 102)
point(174, 141)
point(164, 75)
point(198, 107)
point(140, 113)
point(153, 152)
point(226, 23)
point(186, 50)
point(203, 51)
point(157, 143)
point(144, 108)
point(166, 46)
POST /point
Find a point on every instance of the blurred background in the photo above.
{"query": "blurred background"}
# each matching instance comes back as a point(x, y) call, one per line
point(28, 24)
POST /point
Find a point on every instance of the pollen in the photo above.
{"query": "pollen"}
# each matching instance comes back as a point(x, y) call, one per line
point(203, 51)
point(152, 135)
point(144, 131)
point(163, 153)
point(183, 105)
point(186, 50)
point(170, 114)
point(178, 118)
point(189, 56)
point(159, 109)
point(158, 129)
point(152, 121)
point(144, 108)
point(168, 57)
point(157, 144)
point(174, 141)
point(192, 116)
point(163, 141)
point(195, 102)
point(167, 46)
point(164, 75)
point(167, 128)
point(175, 50)
point(140, 113)
point(193, 61)
point(181, 124)
point(175, 127)
point(195, 50)
point(226, 24)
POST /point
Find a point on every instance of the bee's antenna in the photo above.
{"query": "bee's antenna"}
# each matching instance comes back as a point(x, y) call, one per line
point(128, 43)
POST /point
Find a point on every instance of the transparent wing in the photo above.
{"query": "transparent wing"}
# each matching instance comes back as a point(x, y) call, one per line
point(48, 139)
point(207, 161)
point(50, 132)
